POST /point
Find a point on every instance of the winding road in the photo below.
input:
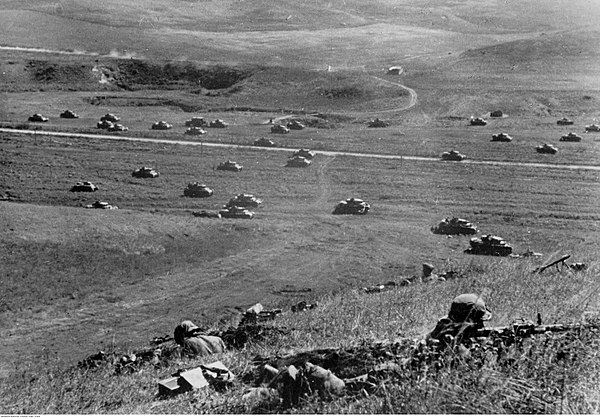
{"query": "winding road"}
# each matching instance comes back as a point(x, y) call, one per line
point(287, 150)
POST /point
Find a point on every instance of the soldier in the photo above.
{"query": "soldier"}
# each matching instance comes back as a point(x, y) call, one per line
point(467, 313)
point(194, 344)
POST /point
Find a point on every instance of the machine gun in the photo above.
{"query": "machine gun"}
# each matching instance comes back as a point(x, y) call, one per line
point(524, 328)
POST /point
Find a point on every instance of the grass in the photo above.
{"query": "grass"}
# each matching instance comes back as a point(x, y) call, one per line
point(548, 374)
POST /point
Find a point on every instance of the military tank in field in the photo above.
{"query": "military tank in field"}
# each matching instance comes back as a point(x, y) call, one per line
point(570, 137)
point(454, 226)
point(298, 161)
point(478, 121)
point(196, 189)
point(280, 129)
point(230, 166)
point(110, 117)
point(352, 206)
point(84, 186)
point(195, 131)
point(564, 121)
point(489, 245)
point(145, 173)
point(378, 123)
point(244, 200)
point(236, 212)
point(161, 125)
point(453, 156)
point(217, 123)
point(69, 114)
point(546, 149)
point(295, 125)
point(196, 121)
point(304, 153)
point(101, 205)
point(501, 137)
point(592, 128)
point(264, 142)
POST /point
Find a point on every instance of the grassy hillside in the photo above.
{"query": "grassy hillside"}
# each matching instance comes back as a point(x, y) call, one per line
point(74, 281)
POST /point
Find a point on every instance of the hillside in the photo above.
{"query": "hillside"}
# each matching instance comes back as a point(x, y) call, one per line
point(74, 281)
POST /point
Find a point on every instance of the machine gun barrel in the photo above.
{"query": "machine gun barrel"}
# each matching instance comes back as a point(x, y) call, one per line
point(525, 330)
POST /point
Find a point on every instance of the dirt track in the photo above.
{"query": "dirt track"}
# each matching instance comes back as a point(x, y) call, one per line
point(287, 150)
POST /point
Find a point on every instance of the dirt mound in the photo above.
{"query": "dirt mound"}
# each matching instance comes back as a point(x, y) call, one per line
point(134, 73)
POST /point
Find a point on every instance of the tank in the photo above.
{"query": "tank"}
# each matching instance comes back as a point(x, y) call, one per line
point(489, 245)
point(110, 117)
point(453, 156)
point(279, 129)
point(305, 153)
point(196, 189)
point(236, 212)
point(378, 123)
point(564, 121)
point(295, 125)
point(352, 206)
point(454, 226)
point(297, 161)
point(161, 126)
point(571, 137)
point(546, 149)
point(68, 114)
point(84, 186)
point(478, 122)
point(501, 137)
point(229, 166)
point(145, 172)
point(244, 200)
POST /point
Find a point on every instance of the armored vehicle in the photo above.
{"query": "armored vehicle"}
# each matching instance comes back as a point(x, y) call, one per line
point(489, 245)
point(496, 114)
point(295, 125)
point(279, 129)
point(196, 189)
point(195, 130)
point(592, 128)
point(110, 117)
point(571, 137)
point(297, 161)
point(236, 212)
point(145, 173)
point(117, 127)
point(104, 124)
point(546, 149)
point(308, 154)
point(478, 122)
point(68, 114)
point(454, 226)
point(264, 142)
point(37, 118)
point(84, 186)
point(501, 137)
point(206, 214)
point(196, 121)
point(217, 123)
point(564, 121)
point(101, 205)
point(378, 123)
point(244, 200)
point(453, 156)
point(161, 126)
point(229, 166)
point(352, 206)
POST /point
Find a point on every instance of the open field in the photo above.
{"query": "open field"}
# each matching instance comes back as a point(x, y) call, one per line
point(74, 281)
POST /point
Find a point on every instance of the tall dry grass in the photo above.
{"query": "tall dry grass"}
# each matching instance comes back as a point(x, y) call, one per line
point(546, 374)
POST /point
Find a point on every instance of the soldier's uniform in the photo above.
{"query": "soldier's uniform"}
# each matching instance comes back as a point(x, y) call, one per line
point(467, 314)
point(194, 344)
